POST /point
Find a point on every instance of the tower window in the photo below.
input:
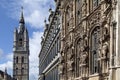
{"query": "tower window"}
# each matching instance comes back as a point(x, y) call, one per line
point(16, 59)
point(22, 60)
point(16, 70)
point(95, 48)
point(20, 42)
point(22, 70)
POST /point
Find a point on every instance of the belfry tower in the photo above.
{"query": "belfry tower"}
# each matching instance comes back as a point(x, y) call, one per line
point(21, 51)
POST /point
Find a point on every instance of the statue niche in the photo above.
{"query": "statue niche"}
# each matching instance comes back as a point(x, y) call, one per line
point(61, 68)
point(105, 50)
point(105, 33)
point(83, 59)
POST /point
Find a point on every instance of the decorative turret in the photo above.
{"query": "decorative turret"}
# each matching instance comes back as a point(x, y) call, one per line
point(15, 36)
point(5, 74)
point(46, 25)
point(51, 14)
point(25, 35)
point(21, 22)
point(22, 17)
point(46, 28)
point(26, 39)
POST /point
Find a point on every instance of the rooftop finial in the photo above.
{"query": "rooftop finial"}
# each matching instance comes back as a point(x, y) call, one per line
point(5, 70)
point(22, 17)
point(50, 9)
point(22, 8)
point(45, 21)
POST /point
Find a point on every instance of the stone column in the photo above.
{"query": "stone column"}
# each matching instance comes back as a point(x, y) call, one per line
point(116, 17)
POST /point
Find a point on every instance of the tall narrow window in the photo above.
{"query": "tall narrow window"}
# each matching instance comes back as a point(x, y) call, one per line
point(22, 60)
point(16, 70)
point(95, 46)
point(22, 71)
point(17, 59)
point(78, 58)
point(78, 10)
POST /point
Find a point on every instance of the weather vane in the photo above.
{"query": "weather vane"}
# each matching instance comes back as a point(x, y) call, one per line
point(22, 8)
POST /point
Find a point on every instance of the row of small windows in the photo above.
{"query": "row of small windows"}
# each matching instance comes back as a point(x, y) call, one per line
point(53, 48)
point(51, 55)
point(20, 71)
point(52, 34)
point(22, 59)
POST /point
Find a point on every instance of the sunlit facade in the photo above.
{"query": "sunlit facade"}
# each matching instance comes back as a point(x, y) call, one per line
point(90, 40)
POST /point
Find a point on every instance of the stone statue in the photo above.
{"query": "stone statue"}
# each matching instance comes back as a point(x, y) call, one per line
point(105, 50)
point(105, 32)
point(83, 58)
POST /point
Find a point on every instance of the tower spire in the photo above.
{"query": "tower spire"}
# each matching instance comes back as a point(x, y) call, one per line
point(5, 70)
point(22, 16)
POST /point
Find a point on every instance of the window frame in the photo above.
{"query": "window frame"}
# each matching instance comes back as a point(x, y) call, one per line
point(94, 63)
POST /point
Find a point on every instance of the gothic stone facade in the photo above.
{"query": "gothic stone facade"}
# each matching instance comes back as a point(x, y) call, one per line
point(50, 47)
point(21, 52)
point(90, 40)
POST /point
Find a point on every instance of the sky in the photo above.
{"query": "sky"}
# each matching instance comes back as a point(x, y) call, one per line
point(35, 12)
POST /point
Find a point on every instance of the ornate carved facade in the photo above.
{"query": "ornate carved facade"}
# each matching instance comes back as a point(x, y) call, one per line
point(89, 45)
point(89, 36)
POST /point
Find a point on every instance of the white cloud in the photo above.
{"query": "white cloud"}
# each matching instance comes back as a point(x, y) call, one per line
point(7, 65)
point(34, 19)
point(34, 51)
point(6, 62)
point(10, 56)
point(35, 11)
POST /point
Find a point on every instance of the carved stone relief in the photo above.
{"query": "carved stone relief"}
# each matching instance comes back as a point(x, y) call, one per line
point(105, 50)
point(94, 19)
point(106, 34)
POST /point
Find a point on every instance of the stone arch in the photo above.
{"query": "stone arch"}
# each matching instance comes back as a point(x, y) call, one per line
point(94, 44)
point(77, 55)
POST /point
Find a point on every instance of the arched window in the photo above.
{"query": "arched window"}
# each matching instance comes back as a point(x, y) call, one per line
point(95, 36)
point(17, 59)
